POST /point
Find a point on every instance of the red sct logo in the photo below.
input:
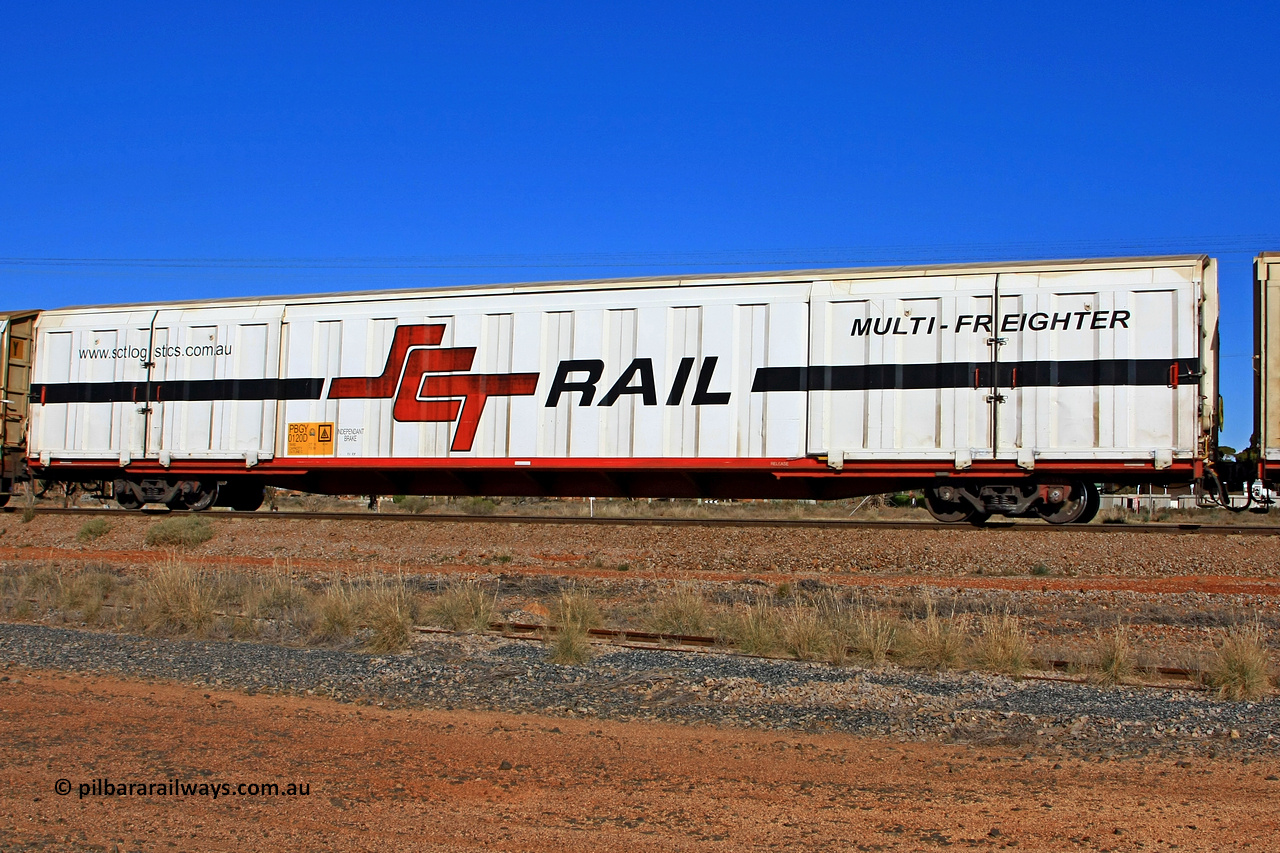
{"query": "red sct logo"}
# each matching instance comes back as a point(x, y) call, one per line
point(429, 385)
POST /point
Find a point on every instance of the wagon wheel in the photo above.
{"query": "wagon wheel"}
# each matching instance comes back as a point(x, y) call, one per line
point(1081, 508)
point(952, 512)
point(124, 495)
point(201, 498)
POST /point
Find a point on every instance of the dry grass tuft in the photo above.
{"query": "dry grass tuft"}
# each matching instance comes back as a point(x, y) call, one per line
point(805, 635)
point(874, 636)
point(86, 592)
point(1240, 668)
point(754, 630)
point(576, 608)
point(335, 620)
point(177, 599)
point(388, 613)
point(837, 617)
point(1114, 660)
point(275, 598)
point(279, 608)
point(11, 595)
point(574, 613)
point(681, 611)
point(568, 646)
point(41, 589)
point(1002, 645)
point(464, 606)
point(935, 642)
point(186, 531)
point(858, 630)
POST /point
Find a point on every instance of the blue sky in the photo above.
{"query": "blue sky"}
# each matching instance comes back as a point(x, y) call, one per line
point(174, 151)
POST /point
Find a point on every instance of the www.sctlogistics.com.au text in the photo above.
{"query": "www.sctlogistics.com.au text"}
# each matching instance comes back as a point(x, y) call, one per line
point(143, 353)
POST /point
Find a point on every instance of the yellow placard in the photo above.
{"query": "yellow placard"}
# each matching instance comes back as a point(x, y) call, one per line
point(311, 439)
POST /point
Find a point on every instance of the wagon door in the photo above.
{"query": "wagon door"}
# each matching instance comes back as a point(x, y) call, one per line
point(900, 369)
point(1097, 365)
point(213, 385)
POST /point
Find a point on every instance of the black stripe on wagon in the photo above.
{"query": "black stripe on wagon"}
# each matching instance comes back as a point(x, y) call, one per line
point(175, 390)
point(1015, 374)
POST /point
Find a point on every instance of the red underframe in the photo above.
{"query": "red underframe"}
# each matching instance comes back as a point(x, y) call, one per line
point(802, 467)
point(805, 478)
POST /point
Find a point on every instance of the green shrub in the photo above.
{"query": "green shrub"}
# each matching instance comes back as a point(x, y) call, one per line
point(415, 504)
point(186, 531)
point(479, 506)
point(94, 528)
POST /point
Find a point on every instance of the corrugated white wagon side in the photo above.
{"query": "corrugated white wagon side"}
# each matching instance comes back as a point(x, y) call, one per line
point(1087, 363)
point(1001, 388)
point(660, 372)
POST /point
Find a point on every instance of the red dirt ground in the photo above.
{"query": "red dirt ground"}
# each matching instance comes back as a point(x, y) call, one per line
point(462, 781)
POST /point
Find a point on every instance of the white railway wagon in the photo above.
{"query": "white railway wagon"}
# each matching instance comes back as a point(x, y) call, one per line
point(1000, 388)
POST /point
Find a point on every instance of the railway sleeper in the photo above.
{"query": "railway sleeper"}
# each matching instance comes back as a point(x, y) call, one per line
point(1057, 503)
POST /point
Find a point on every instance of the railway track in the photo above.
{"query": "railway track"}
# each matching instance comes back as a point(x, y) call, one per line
point(1175, 528)
point(1184, 678)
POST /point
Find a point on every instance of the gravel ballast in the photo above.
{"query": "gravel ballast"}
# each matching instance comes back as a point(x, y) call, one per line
point(492, 673)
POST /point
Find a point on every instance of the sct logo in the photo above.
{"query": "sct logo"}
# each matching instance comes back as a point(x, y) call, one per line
point(429, 386)
point(423, 397)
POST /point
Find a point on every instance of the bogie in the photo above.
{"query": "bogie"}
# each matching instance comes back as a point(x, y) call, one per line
point(1056, 503)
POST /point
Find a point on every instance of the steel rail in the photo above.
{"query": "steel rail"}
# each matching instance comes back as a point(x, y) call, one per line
point(692, 644)
point(1185, 528)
